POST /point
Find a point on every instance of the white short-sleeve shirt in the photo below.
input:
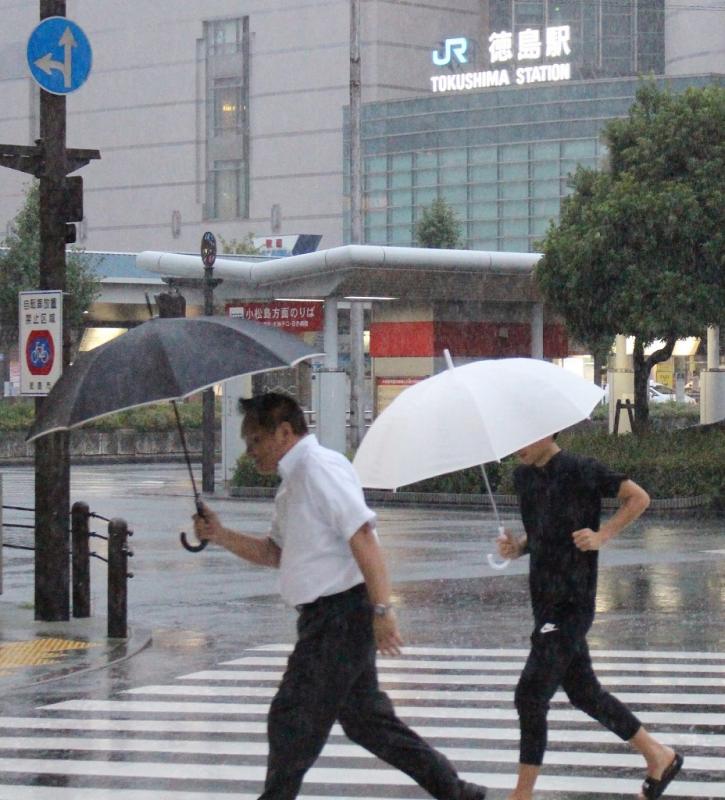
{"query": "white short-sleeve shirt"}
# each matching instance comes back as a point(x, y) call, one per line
point(318, 507)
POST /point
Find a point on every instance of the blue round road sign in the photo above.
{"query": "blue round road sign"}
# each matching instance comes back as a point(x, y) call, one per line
point(59, 55)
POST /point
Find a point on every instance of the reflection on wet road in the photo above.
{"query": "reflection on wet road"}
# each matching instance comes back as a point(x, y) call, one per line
point(184, 720)
point(202, 735)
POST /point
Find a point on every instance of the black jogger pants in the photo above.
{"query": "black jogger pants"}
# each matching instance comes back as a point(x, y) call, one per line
point(331, 675)
point(562, 659)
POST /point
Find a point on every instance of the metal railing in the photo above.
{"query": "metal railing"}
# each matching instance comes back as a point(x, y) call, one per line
point(117, 557)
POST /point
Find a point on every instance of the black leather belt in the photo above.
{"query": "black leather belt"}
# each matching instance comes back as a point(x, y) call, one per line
point(331, 599)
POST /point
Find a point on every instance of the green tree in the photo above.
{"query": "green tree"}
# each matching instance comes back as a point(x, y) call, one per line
point(438, 227)
point(20, 271)
point(639, 248)
point(241, 247)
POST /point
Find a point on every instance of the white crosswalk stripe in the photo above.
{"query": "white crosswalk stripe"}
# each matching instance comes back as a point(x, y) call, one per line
point(203, 737)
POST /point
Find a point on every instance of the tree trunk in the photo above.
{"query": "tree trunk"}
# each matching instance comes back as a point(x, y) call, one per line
point(642, 368)
point(641, 388)
point(600, 362)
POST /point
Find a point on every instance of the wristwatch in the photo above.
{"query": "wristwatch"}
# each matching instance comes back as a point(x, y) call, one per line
point(381, 610)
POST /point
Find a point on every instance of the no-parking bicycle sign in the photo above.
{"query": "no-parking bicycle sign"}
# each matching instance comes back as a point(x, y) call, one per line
point(41, 341)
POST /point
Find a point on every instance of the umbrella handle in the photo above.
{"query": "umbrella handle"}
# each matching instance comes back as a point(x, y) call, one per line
point(192, 548)
point(495, 561)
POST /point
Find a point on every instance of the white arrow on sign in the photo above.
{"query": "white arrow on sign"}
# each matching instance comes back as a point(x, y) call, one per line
point(48, 64)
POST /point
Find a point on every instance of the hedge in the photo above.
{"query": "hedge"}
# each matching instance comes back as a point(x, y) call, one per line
point(685, 463)
point(18, 415)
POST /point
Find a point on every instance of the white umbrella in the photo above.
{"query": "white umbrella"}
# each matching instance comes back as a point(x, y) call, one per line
point(468, 415)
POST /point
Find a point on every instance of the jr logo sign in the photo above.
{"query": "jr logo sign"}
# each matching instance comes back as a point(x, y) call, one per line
point(452, 48)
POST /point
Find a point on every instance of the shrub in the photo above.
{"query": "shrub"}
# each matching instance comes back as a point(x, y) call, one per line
point(18, 415)
point(246, 474)
point(660, 414)
point(681, 463)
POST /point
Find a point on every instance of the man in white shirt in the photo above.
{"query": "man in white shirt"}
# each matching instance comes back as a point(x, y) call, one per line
point(332, 570)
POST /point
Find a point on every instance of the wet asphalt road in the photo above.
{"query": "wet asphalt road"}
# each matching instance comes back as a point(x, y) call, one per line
point(662, 588)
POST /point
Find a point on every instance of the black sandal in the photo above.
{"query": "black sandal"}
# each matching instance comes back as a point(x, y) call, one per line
point(653, 788)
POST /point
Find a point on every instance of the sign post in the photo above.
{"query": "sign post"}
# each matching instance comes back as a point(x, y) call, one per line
point(40, 341)
point(59, 60)
point(59, 55)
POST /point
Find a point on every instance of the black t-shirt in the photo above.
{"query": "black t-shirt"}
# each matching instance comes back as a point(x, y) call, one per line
point(557, 499)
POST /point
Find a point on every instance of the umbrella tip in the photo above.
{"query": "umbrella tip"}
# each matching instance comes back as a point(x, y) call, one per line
point(449, 360)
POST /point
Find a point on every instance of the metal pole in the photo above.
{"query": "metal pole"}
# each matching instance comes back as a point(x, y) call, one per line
point(713, 347)
point(80, 535)
point(52, 457)
point(118, 554)
point(357, 370)
point(357, 361)
point(537, 331)
point(208, 442)
point(356, 232)
point(330, 333)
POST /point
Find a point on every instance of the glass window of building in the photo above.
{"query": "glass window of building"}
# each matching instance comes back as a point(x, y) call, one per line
point(608, 38)
point(228, 180)
point(225, 36)
point(229, 106)
point(227, 118)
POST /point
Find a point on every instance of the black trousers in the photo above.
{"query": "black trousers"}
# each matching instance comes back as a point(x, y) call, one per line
point(331, 675)
point(558, 658)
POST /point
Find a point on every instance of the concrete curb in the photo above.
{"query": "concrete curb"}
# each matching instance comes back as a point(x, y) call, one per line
point(99, 652)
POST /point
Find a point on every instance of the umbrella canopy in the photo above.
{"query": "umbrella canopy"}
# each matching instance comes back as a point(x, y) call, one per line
point(469, 415)
point(164, 359)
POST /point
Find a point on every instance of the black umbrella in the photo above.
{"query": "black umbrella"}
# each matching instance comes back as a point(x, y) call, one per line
point(164, 359)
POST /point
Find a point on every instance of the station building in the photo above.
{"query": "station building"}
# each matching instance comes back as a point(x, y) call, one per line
point(232, 116)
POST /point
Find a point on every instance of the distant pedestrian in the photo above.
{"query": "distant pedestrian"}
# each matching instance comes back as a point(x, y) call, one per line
point(560, 500)
point(332, 570)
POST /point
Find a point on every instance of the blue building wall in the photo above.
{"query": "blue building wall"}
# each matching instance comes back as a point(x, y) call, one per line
point(500, 157)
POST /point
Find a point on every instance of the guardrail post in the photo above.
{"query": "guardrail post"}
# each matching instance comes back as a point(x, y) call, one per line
point(81, 559)
point(1, 534)
point(118, 554)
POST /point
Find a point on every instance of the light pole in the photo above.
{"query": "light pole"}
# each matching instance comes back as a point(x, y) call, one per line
point(357, 362)
point(208, 438)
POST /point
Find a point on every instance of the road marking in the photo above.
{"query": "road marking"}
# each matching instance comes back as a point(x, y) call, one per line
point(418, 712)
point(240, 728)
point(207, 731)
point(481, 679)
point(225, 748)
point(475, 666)
point(503, 652)
point(326, 776)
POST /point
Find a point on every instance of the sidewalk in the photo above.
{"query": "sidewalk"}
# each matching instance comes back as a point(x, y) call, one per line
point(34, 652)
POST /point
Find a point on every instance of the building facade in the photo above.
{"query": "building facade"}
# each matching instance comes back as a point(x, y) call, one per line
point(222, 115)
point(228, 115)
point(231, 116)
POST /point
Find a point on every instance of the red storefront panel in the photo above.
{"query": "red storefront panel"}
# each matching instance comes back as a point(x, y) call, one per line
point(401, 339)
point(497, 339)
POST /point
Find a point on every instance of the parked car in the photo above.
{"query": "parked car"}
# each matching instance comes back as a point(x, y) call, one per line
point(659, 393)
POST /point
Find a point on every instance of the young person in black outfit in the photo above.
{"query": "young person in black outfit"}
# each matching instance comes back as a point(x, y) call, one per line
point(560, 500)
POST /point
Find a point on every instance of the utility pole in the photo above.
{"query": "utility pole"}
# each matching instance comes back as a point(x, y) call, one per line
point(208, 449)
point(357, 319)
point(52, 452)
point(50, 162)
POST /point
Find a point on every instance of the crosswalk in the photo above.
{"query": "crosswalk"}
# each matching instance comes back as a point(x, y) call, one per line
point(203, 736)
